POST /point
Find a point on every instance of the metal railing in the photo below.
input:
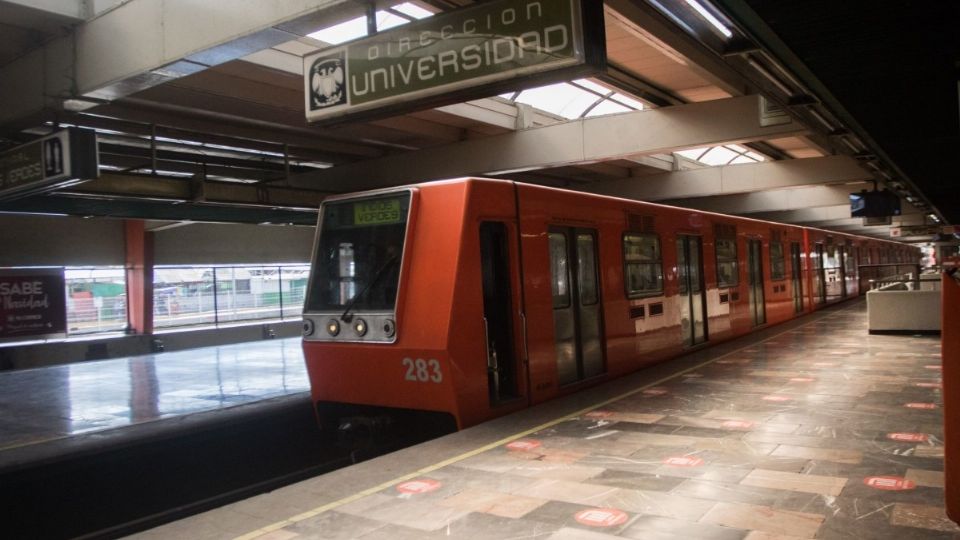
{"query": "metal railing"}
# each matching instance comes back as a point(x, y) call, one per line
point(192, 295)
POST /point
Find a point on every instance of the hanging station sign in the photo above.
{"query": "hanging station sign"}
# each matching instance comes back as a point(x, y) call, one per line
point(466, 54)
point(33, 303)
point(56, 160)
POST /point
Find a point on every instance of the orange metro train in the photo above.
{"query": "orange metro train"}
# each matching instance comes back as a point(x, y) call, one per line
point(469, 299)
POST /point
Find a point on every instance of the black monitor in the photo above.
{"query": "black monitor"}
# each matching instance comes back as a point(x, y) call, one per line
point(874, 204)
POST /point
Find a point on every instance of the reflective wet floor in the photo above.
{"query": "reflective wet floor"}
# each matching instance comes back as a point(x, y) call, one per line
point(61, 401)
point(821, 431)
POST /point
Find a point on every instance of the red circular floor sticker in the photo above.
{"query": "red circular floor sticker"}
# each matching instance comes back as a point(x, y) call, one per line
point(599, 414)
point(524, 445)
point(907, 437)
point(802, 379)
point(775, 398)
point(737, 424)
point(683, 461)
point(415, 487)
point(889, 483)
point(656, 391)
point(927, 406)
point(601, 517)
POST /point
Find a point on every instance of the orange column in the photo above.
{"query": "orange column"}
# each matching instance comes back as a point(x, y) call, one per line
point(139, 269)
point(950, 354)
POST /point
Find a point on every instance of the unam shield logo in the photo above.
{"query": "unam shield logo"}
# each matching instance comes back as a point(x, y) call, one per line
point(328, 82)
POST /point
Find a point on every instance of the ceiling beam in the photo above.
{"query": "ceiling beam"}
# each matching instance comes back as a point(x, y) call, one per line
point(586, 140)
point(773, 200)
point(138, 187)
point(730, 179)
point(66, 11)
point(143, 43)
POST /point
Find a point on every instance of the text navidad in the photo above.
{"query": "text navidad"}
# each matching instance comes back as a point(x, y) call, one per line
point(24, 295)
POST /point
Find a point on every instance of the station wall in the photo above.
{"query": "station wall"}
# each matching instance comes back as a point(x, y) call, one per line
point(213, 243)
point(60, 241)
point(74, 241)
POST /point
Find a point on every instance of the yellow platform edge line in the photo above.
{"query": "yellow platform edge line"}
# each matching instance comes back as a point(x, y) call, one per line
point(490, 446)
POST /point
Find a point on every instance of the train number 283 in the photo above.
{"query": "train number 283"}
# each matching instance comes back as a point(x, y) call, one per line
point(421, 370)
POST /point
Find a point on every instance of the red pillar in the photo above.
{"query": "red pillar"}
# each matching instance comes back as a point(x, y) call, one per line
point(139, 269)
point(950, 356)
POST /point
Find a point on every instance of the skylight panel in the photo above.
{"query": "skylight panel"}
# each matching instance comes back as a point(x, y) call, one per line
point(693, 153)
point(718, 155)
point(628, 101)
point(387, 20)
point(755, 156)
point(343, 32)
point(606, 107)
point(590, 85)
point(357, 28)
point(561, 99)
point(412, 10)
point(742, 159)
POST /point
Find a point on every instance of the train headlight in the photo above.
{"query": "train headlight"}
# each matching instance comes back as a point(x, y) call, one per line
point(333, 327)
point(308, 327)
point(389, 328)
point(360, 327)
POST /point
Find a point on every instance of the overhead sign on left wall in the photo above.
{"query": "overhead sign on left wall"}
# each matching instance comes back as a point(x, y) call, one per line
point(474, 52)
point(57, 160)
point(33, 303)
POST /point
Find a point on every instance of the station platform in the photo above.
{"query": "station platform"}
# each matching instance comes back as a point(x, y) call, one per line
point(810, 429)
point(53, 411)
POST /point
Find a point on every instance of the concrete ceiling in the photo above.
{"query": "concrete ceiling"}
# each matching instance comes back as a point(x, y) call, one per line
point(211, 120)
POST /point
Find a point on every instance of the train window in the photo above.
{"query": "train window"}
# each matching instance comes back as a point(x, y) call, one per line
point(643, 267)
point(357, 260)
point(587, 269)
point(778, 264)
point(727, 272)
point(558, 270)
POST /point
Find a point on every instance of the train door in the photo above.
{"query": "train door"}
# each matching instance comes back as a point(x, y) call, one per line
point(755, 282)
point(819, 275)
point(498, 303)
point(576, 303)
point(842, 261)
point(693, 319)
point(797, 269)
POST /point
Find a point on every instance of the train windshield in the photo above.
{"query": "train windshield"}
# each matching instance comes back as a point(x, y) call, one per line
point(357, 265)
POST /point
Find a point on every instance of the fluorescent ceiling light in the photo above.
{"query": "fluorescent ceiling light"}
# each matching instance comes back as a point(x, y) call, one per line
point(715, 22)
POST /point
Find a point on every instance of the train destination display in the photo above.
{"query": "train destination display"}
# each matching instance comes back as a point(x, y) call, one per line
point(452, 56)
point(377, 212)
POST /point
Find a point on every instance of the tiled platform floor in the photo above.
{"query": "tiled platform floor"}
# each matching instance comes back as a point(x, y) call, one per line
point(57, 402)
point(821, 431)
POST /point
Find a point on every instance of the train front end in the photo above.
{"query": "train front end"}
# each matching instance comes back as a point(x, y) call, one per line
point(375, 356)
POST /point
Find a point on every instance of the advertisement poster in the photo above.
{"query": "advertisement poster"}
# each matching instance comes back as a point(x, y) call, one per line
point(32, 303)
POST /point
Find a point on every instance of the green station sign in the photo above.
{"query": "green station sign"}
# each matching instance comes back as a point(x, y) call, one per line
point(53, 161)
point(465, 54)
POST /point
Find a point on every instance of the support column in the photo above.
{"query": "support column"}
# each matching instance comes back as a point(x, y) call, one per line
point(139, 270)
point(950, 357)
